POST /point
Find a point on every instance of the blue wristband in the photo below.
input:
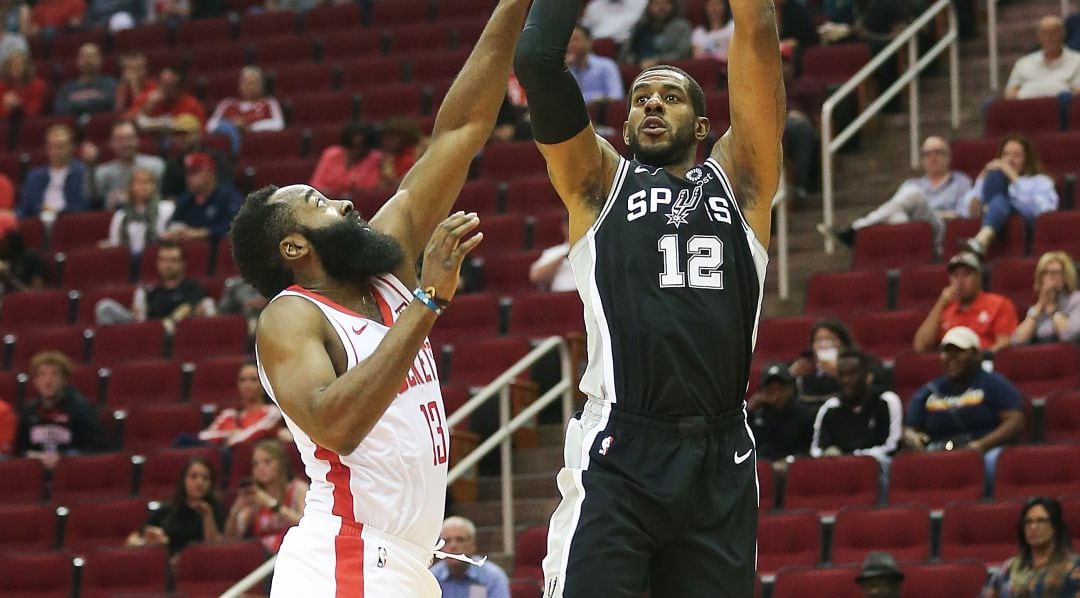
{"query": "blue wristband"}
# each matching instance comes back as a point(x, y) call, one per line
point(427, 301)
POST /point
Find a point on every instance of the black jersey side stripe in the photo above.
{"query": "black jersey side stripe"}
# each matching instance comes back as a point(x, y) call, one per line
point(616, 187)
point(726, 182)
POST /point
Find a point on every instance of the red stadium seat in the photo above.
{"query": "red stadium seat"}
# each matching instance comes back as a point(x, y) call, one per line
point(124, 571)
point(1059, 152)
point(511, 159)
point(400, 12)
point(525, 588)
point(27, 528)
point(199, 338)
point(478, 196)
point(1061, 417)
point(29, 490)
point(210, 569)
point(533, 195)
point(299, 78)
point(366, 72)
point(272, 145)
point(831, 483)
point(323, 107)
point(1030, 117)
point(1013, 278)
point(453, 9)
point(920, 286)
point(1070, 508)
point(944, 580)
point(886, 334)
point(1038, 370)
point(45, 575)
point(135, 341)
point(531, 546)
point(788, 538)
point(200, 31)
point(32, 309)
point(479, 362)
point(423, 37)
point(1056, 231)
point(834, 582)
point(143, 383)
point(549, 228)
point(32, 130)
point(280, 50)
point(936, 478)
point(537, 315)
point(912, 370)
point(894, 246)
point(93, 267)
point(82, 478)
point(844, 293)
point(782, 339)
point(102, 524)
point(1012, 243)
point(976, 530)
point(163, 468)
point(475, 315)
point(219, 56)
point(33, 231)
point(140, 38)
point(384, 101)
point(79, 230)
point(508, 272)
point(903, 531)
point(214, 380)
point(349, 43)
point(1046, 470)
point(69, 340)
point(223, 260)
point(440, 67)
point(151, 427)
point(834, 64)
point(503, 234)
point(331, 18)
point(88, 299)
point(766, 485)
point(268, 24)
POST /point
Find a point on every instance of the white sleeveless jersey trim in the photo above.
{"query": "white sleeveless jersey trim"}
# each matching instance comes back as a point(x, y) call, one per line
point(395, 480)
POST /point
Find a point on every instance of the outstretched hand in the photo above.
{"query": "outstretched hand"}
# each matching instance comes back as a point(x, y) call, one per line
point(446, 251)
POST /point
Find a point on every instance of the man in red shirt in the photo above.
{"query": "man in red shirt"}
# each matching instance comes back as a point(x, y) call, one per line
point(155, 110)
point(964, 303)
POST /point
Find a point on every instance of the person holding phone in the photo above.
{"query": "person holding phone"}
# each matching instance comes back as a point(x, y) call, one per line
point(271, 501)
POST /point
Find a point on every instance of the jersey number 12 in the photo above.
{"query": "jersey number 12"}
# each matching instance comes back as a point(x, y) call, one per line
point(706, 257)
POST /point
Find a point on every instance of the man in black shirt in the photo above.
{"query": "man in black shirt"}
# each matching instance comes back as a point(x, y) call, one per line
point(171, 300)
point(20, 268)
point(782, 425)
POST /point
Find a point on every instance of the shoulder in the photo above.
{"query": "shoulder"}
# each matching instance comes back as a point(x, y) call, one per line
point(1030, 59)
point(333, 152)
point(962, 177)
point(890, 399)
point(287, 315)
point(830, 404)
point(998, 301)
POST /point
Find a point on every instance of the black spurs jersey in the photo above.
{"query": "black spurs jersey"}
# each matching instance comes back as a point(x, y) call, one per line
point(671, 277)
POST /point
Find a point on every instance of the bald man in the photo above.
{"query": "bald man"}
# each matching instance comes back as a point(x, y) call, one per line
point(1051, 70)
point(459, 579)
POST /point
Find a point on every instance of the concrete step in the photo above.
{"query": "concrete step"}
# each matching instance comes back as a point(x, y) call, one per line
point(545, 459)
point(526, 485)
point(527, 511)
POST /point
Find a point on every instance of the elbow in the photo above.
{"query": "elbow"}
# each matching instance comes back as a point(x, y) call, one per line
point(533, 64)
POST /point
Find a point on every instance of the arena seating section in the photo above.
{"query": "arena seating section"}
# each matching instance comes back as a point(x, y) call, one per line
point(341, 63)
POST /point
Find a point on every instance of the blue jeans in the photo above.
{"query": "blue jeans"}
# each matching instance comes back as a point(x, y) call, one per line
point(227, 128)
point(997, 205)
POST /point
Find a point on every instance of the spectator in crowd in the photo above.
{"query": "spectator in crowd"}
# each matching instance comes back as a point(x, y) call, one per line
point(254, 420)
point(60, 184)
point(1049, 71)
point(269, 503)
point(59, 421)
point(134, 80)
point(49, 17)
point(1046, 567)
point(597, 76)
point(783, 425)
point(172, 299)
point(8, 425)
point(141, 220)
point(298, 6)
point(206, 209)
point(238, 297)
point(1012, 183)
point(156, 110)
point(1055, 317)
point(253, 110)
point(551, 271)
point(172, 13)
point(20, 268)
point(346, 170)
point(815, 369)
point(90, 92)
point(879, 576)
point(796, 31)
point(940, 194)
point(512, 122)
point(613, 19)
point(661, 36)
point(14, 16)
point(859, 421)
point(186, 138)
point(21, 91)
point(461, 579)
point(115, 14)
point(1072, 31)
point(711, 38)
point(113, 178)
point(11, 43)
point(964, 303)
point(193, 513)
point(400, 144)
point(967, 407)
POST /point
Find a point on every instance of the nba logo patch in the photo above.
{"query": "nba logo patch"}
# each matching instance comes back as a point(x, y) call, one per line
point(382, 558)
point(605, 444)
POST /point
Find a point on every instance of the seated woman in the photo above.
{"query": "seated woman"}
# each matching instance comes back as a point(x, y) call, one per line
point(193, 514)
point(254, 420)
point(815, 369)
point(713, 36)
point(21, 91)
point(1012, 183)
point(1055, 317)
point(344, 171)
point(661, 36)
point(270, 502)
point(142, 220)
point(1046, 567)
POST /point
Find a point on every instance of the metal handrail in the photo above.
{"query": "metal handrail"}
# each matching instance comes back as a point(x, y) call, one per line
point(502, 438)
point(831, 144)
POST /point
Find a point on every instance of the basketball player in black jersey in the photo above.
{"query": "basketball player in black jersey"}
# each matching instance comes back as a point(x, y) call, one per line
point(659, 489)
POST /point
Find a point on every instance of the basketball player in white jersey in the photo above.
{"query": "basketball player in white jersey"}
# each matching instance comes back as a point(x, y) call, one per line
point(342, 347)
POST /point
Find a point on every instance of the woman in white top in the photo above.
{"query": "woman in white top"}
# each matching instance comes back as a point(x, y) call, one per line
point(1055, 317)
point(711, 38)
point(142, 220)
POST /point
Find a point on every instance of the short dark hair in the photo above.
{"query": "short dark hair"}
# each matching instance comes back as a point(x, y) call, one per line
point(1062, 542)
point(864, 361)
point(357, 127)
point(256, 231)
point(836, 327)
point(697, 94)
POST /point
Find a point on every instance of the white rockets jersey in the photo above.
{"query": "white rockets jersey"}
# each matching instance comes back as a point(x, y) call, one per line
point(395, 480)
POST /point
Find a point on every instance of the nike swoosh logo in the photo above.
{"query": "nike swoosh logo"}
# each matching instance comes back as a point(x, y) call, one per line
point(361, 330)
point(743, 457)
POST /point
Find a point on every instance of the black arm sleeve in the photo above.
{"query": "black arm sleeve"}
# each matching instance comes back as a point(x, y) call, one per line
point(556, 107)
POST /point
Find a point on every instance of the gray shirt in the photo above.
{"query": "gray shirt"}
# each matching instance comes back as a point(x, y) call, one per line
point(1046, 332)
point(949, 196)
point(112, 178)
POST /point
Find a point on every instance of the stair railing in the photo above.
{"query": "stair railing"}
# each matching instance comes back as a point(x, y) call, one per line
point(831, 144)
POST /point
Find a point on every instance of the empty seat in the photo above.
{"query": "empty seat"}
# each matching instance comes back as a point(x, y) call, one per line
point(535, 315)
point(766, 485)
point(27, 528)
point(1012, 243)
point(886, 334)
point(206, 569)
point(200, 31)
point(36, 575)
point(140, 38)
point(944, 580)
point(894, 246)
point(1061, 417)
point(525, 588)
point(144, 382)
point(80, 229)
point(400, 12)
point(844, 293)
point(531, 546)
point(788, 538)
point(32, 309)
point(150, 427)
point(410, 40)
point(533, 194)
point(1070, 509)
point(1059, 153)
point(367, 71)
point(94, 267)
point(268, 24)
point(831, 483)
point(834, 64)
point(349, 43)
point(214, 380)
point(508, 272)
point(1024, 471)
point(834, 582)
point(1038, 370)
point(329, 18)
point(280, 50)
point(102, 524)
point(298, 78)
point(272, 145)
point(475, 315)
point(782, 339)
point(481, 197)
point(82, 478)
point(511, 159)
point(1056, 231)
point(437, 68)
point(1013, 277)
point(912, 370)
point(387, 100)
point(127, 571)
point(548, 228)
point(1030, 117)
point(936, 478)
point(163, 467)
point(321, 107)
point(133, 341)
point(903, 531)
point(31, 476)
point(479, 362)
point(68, 340)
point(199, 338)
point(979, 530)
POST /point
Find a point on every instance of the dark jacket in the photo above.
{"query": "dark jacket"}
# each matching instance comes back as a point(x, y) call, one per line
point(33, 190)
point(215, 214)
point(72, 426)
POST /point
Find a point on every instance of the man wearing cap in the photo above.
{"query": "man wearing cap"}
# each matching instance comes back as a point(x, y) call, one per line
point(186, 138)
point(156, 109)
point(207, 207)
point(964, 303)
point(783, 426)
point(968, 407)
point(879, 576)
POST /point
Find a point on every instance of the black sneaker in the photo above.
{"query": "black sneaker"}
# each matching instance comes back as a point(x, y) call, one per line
point(845, 236)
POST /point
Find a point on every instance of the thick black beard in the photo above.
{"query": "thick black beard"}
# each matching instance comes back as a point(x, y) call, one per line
point(350, 250)
point(672, 152)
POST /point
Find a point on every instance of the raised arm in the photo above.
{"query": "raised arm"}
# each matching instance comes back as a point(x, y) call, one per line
point(750, 150)
point(580, 164)
point(462, 126)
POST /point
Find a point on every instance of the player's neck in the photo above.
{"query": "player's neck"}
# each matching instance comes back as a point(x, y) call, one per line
point(357, 296)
